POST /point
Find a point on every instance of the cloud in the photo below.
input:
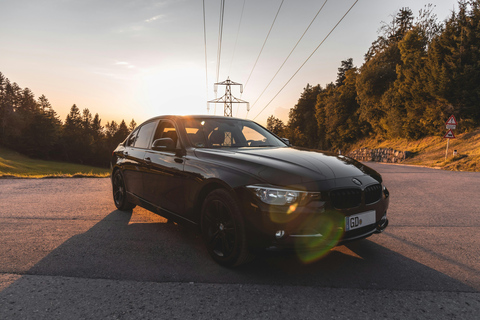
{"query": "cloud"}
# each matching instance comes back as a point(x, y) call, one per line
point(124, 63)
point(160, 16)
point(131, 30)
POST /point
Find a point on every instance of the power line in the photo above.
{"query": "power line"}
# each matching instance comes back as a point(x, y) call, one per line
point(219, 49)
point(235, 47)
point(206, 61)
point(321, 8)
point(236, 38)
point(264, 44)
point(220, 34)
point(307, 59)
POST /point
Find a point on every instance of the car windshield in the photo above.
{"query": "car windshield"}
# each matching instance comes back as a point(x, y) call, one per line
point(228, 133)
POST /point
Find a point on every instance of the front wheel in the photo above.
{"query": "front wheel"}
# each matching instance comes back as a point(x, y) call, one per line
point(223, 229)
point(120, 192)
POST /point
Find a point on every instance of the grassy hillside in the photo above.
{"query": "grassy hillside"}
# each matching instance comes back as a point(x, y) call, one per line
point(430, 151)
point(13, 164)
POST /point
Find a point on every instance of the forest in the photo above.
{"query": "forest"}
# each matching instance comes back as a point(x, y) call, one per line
point(417, 73)
point(32, 127)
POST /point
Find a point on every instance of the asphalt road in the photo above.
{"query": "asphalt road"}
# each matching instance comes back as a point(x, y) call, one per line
point(66, 253)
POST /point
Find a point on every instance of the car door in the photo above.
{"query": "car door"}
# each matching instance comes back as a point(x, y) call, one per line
point(134, 153)
point(164, 180)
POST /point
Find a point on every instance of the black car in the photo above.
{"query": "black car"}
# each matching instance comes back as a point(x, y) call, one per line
point(245, 188)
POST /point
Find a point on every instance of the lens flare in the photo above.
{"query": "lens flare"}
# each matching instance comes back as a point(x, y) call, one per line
point(292, 208)
point(282, 216)
point(330, 225)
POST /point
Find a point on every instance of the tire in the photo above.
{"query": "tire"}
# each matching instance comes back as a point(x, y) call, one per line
point(223, 229)
point(120, 192)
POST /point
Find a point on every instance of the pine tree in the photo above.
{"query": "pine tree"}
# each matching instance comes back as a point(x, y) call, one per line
point(345, 66)
point(276, 126)
point(4, 110)
point(453, 62)
point(72, 136)
point(132, 125)
point(302, 125)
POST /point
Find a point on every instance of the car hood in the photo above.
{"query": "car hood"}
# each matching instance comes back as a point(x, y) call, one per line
point(288, 166)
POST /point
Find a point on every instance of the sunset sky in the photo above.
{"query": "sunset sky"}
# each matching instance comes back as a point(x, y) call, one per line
point(138, 59)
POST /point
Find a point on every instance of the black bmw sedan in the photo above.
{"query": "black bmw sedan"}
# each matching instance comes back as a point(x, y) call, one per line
point(246, 189)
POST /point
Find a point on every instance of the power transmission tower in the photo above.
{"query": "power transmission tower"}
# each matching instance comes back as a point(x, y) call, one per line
point(227, 99)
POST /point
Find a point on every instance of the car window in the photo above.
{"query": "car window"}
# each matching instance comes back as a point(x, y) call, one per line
point(225, 133)
point(253, 137)
point(195, 134)
point(144, 137)
point(166, 129)
point(131, 139)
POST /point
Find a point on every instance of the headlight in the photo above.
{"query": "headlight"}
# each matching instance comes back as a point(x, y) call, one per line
point(277, 196)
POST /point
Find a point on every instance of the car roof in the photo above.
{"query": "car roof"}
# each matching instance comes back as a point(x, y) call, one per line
point(175, 117)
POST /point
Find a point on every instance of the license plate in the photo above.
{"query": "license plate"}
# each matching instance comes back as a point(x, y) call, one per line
point(359, 220)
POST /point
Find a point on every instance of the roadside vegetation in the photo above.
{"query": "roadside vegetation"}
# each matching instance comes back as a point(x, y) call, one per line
point(430, 151)
point(416, 74)
point(32, 127)
point(16, 165)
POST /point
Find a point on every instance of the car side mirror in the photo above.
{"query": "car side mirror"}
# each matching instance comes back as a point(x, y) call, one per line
point(164, 144)
point(286, 141)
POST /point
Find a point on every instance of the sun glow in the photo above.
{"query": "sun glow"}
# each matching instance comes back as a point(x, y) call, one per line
point(172, 90)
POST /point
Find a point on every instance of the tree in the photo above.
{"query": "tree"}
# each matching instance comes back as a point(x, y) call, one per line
point(376, 76)
point(11, 122)
point(33, 128)
point(321, 115)
point(72, 136)
point(337, 114)
point(345, 66)
point(453, 64)
point(132, 125)
point(391, 33)
point(5, 109)
point(302, 126)
point(41, 136)
point(276, 126)
point(121, 133)
point(379, 72)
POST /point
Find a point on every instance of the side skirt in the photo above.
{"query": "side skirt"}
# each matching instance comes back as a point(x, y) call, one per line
point(158, 210)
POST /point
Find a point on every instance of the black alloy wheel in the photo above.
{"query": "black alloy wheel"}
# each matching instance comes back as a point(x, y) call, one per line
point(120, 192)
point(223, 229)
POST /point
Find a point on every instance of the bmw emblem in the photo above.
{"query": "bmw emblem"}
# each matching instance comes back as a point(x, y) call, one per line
point(357, 182)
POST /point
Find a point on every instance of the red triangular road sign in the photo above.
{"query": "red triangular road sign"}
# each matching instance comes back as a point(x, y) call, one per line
point(451, 120)
point(449, 134)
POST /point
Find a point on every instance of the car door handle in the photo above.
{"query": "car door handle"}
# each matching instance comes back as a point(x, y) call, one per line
point(147, 159)
point(178, 160)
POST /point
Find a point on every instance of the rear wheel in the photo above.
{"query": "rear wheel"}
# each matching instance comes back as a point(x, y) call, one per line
point(223, 229)
point(120, 192)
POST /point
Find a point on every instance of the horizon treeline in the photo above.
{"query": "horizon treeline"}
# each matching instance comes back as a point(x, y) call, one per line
point(417, 73)
point(32, 127)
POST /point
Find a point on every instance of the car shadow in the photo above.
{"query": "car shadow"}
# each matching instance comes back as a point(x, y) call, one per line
point(116, 248)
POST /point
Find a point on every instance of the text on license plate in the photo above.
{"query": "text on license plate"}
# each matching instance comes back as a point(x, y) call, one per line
point(359, 220)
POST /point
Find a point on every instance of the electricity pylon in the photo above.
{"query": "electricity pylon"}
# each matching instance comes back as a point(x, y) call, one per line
point(228, 99)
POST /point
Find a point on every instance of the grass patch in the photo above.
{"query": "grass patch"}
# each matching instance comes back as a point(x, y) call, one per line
point(16, 165)
point(430, 151)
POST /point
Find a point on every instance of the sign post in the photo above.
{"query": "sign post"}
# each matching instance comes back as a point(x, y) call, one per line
point(451, 124)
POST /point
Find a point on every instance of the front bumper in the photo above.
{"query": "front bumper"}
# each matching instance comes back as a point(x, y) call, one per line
point(316, 225)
